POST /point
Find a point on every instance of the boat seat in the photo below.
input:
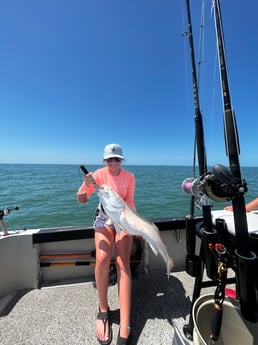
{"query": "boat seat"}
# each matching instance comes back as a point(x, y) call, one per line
point(227, 216)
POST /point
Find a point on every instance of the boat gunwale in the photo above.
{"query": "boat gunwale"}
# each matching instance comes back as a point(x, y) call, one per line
point(87, 232)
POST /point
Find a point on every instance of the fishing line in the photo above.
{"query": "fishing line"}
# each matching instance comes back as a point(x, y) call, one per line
point(215, 85)
point(80, 175)
point(201, 41)
point(212, 109)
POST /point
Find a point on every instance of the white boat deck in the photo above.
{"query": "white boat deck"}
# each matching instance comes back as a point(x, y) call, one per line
point(65, 315)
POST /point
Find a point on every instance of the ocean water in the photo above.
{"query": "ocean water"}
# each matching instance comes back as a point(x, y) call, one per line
point(46, 194)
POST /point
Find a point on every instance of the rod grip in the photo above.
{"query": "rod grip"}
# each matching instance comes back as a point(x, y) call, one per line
point(216, 320)
point(82, 167)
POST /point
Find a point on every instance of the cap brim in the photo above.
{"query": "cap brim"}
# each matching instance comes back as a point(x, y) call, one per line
point(111, 156)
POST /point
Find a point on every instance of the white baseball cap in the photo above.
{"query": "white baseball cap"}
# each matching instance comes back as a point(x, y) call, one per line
point(113, 150)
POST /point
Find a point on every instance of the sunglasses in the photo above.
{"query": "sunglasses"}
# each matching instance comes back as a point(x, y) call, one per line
point(113, 159)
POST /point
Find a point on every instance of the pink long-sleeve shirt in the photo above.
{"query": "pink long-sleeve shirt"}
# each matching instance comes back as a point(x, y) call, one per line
point(123, 184)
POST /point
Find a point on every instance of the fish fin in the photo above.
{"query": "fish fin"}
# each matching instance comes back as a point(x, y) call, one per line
point(155, 251)
point(170, 265)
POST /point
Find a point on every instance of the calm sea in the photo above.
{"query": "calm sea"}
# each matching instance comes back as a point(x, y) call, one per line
point(46, 194)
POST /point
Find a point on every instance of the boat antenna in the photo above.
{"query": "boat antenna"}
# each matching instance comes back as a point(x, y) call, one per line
point(245, 258)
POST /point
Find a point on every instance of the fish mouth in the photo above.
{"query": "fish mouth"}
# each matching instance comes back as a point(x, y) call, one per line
point(104, 187)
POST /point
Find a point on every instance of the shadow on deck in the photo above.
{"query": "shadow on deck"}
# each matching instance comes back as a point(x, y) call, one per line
point(66, 314)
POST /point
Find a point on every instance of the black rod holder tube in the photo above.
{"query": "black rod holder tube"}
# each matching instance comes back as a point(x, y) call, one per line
point(188, 328)
point(246, 286)
point(209, 257)
point(193, 265)
point(206, 209)
point(208, 236)
point(190, 235)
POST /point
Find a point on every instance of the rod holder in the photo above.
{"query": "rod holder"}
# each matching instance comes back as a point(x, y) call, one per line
point(210, 259)
point(246, 285)
point(194, 265)
point(190, 235)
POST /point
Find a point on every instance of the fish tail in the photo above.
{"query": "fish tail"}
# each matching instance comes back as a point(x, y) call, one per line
point(170, 265)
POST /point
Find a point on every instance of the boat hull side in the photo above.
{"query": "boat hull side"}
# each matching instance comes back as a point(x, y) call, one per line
point(18, 263)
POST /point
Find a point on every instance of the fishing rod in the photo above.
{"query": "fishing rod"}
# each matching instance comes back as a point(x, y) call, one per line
point(194, 263)
point(200, 201)
point(199, 132)
point(245, 265)
point(206, 230)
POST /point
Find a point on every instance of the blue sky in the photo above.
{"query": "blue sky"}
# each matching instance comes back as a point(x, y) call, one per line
point(77, 75)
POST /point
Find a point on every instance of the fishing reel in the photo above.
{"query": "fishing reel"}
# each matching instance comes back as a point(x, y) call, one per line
point(195, 187)
point(6, 211)
point(219, 185)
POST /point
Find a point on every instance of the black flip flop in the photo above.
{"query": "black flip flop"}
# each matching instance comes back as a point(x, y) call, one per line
point(121, 340)
point(104, 316)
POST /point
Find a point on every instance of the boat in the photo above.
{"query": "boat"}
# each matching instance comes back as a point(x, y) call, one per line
point(47, 291)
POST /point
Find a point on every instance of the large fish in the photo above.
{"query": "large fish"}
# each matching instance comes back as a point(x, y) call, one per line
point(124, 218)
